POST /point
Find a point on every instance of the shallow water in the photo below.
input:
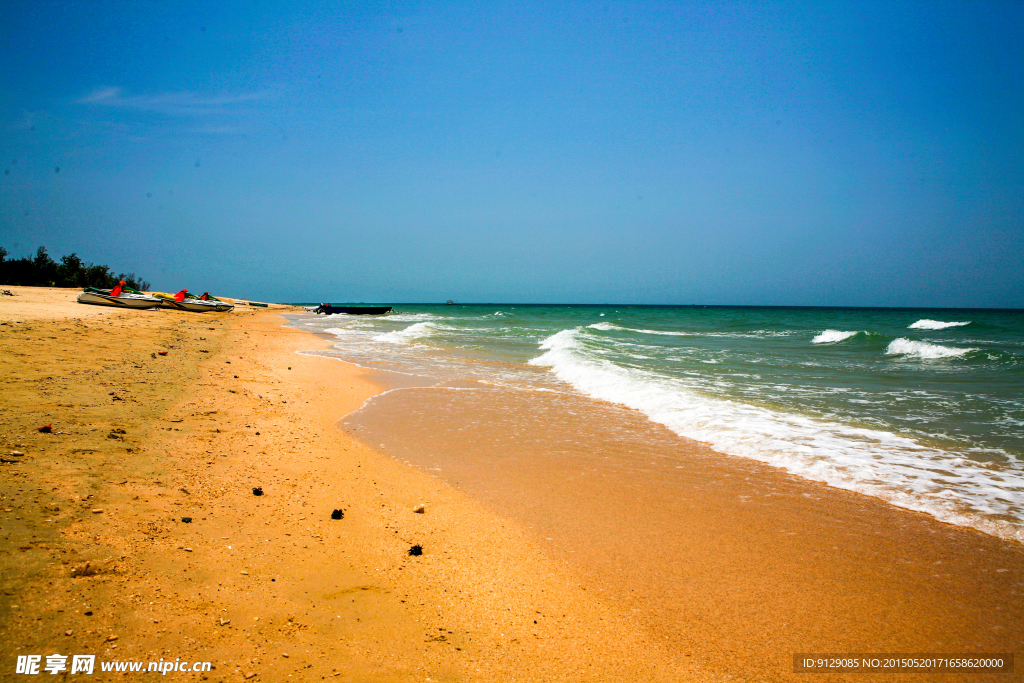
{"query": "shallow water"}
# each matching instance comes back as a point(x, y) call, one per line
point(922, 408)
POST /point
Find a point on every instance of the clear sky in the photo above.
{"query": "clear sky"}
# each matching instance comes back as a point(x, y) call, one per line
point(809, 153)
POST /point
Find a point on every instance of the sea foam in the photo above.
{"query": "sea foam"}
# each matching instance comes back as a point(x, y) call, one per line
point(926, 324)
point(923, 350)
point(409, 334)
point(832, 336)
point(871, 461)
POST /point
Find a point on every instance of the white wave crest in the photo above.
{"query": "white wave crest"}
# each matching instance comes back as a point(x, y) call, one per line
point(924, 350)
point(926, 324)
point(870, 461)
point(612, 326)
point(409, 334)
point(832, 336)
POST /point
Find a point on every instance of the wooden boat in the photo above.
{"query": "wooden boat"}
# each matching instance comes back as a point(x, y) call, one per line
point(124, 299)
point(352, 310)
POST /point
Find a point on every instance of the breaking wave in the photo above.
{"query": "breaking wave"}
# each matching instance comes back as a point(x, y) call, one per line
point(833, 336)
point(923, 350)
point(926, 324)
point(409, 334)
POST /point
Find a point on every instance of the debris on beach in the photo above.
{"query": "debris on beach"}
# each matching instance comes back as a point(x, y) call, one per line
point(84, 570)
point(186, 520)
point(420, 509)
point(162, 353)
point(416, 550)
point(338, 514)
point(46, 429)
point(258, 491)
point(90, 569)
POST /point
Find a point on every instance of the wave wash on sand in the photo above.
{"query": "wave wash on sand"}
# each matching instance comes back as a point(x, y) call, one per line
point(897, 469)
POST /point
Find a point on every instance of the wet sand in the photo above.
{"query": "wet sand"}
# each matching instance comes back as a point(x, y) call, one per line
point(734, 563)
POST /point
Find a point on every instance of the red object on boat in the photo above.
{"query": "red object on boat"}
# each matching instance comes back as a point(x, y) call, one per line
point(46, 429)
point(116, 291)
point(180, 296)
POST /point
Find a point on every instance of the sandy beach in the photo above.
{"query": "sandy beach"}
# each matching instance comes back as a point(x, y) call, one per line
point(533, 567)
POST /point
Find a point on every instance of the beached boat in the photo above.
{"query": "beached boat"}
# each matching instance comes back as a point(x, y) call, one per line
point(195, 305)
point(124, 299)
point(219, 305)
point(352, 310)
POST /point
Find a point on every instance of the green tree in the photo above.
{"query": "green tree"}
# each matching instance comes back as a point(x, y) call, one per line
point(71, 271)
point(45, 267)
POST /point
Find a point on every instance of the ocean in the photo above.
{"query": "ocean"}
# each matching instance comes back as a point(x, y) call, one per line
point(923, 408)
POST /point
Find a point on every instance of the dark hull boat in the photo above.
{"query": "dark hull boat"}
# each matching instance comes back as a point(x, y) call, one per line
point(352, 310)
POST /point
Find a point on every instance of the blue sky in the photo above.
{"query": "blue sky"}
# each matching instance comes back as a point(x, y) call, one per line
point(722, 153)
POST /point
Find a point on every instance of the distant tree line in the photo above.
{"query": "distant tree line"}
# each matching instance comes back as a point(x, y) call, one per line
point(43, 271)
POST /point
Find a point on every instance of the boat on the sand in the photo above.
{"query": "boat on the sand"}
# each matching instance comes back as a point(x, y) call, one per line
point(122, 299)
point(219, 304)
point(182, 301)
point(352, 310)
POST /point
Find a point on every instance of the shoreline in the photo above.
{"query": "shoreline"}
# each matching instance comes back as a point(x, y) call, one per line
point(263, 587)
point(271, 586)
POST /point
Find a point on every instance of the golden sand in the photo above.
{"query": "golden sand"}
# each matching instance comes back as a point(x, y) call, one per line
point(95, 557)
point(262, 586)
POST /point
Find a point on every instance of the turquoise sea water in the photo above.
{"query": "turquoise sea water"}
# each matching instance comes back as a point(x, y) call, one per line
point(923, 408)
